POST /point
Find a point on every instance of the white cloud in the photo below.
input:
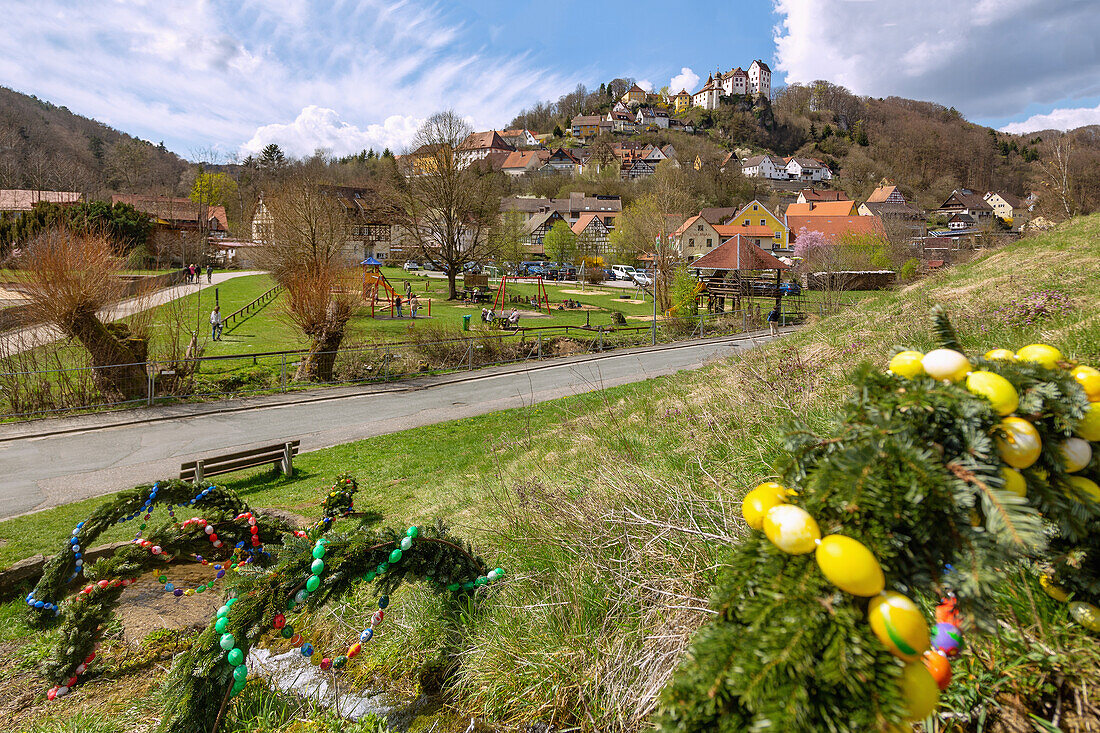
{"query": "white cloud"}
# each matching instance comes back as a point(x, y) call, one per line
point(687, 80)
point(645, 84)
point(1058, 119)
point(988, 59)
point(199, 74)
point(318, 127)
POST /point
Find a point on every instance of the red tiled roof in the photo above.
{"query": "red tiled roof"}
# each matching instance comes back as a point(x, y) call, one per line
point(522, 158)
point(754, 230)
point(880, 194)
point(738, 253)
point(836, 226)
point(821, 208)
point(483, 140)
point(583, 222)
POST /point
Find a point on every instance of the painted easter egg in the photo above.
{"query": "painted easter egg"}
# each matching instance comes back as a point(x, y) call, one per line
point(850, 566)
point(899, 625)
point(946, 364)
point(1076, 454)
point(919, 691)
point(761, 499)
point(1019, 445)
point(907, 364)
point(995, 388)
point(1043, 354)
point(791, 529)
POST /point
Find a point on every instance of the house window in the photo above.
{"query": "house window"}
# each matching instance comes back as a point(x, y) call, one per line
point(754, 207)
point(709, 242)
point(700, 227)
point(763, 222)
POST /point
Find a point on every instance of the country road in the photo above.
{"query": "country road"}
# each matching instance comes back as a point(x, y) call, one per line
point(53, 462)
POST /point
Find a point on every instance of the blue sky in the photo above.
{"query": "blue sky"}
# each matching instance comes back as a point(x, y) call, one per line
point(224, 78)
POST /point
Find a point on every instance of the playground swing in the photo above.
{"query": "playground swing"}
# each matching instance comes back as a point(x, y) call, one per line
point(501, 300)
point(377, 289)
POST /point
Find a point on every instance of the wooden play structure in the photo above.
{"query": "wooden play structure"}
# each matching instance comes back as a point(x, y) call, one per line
point(377, 289)
point(735, 273)
point(501, 300)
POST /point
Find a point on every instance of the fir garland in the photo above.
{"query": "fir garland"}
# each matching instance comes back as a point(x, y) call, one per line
point(915, 473)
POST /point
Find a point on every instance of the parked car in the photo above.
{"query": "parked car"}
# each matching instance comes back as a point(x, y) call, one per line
point(609, 274)
point(791, 287)
point(526, 267)
point(567, 272)
point(411, 266)
point(641, 278)
point(623, 272)
point(472, 267)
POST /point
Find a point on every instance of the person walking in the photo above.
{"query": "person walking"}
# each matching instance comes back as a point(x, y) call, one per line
point(414, 305)
point(216, 324)
point(191, 270)
point(408, 290)
point(209, 273)
point(773, 321)
point(397, 302)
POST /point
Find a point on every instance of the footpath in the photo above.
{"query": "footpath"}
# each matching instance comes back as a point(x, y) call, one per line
point(24, 339)
point(57, 461)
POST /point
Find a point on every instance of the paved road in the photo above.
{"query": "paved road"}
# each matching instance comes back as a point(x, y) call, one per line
point(53, 462)
point(15, 342)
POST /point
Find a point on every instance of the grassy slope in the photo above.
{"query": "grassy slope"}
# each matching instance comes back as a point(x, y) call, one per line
point(596, 503)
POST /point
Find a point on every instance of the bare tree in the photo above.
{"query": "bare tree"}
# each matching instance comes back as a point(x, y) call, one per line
point(447, 210)
point(1057, 178)
point(305, 253)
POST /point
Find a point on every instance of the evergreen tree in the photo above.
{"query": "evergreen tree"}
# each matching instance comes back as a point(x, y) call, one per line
point(914, 469)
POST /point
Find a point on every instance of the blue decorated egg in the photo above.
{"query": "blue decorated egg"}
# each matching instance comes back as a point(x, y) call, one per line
point(947, 638)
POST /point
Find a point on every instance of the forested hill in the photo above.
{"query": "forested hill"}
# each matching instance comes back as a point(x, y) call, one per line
point(44, 146)
point(924, 147)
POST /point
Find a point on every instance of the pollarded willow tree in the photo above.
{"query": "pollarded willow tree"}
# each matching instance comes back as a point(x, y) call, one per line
point(305, 249)
point(942, 461)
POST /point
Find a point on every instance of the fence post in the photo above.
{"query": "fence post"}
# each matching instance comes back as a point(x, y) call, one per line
point(744, 321)
point(540, 346)
point(470, 352)
point(601, 338)
point(149, 385)
point(199, 471)
point(287, 464)
point(282, 375)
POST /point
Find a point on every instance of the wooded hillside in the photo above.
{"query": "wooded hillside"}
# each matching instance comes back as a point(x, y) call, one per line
point(44, 146)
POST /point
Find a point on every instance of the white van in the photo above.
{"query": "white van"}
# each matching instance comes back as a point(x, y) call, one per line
point(623, 272)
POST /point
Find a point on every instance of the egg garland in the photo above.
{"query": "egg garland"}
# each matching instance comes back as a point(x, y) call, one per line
point(849, 565)
point(1017, 440)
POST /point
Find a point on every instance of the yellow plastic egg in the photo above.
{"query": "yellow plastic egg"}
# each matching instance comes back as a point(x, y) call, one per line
point(1089, 426)
point(1089, 379)
point(1001, 355)
point(946, 364)
point(1048, 356)
point(1052, 590)
point(919, 691)
point(850, 566)
point(907, 363)
point(1014, 481)
point(757, 502)
point(1020, 445)
point(899, 625)
point(1085, 614)
point(1076, 454)
point(995, 388)
point(1084, 487)
point(791, 529)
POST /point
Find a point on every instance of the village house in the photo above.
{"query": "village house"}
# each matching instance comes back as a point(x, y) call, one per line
point(369, 231)
point(961, 222)
point(621, 121)
point(572, 208)
point(592, 234)
point(680, 125)
point(18, 201)
point(634, 95)
point(807, 169)
point(734, 82)
point(681, 101)
point(536, 228)
point(519, 138)
point(965, 201)
point(561, 162)
point(649, 118)
point(178, 214)
point(818, 195)
point(479, 145)
point(888, 201)
point(756, 214)
point(1007, 207)
point(524, 162)
point(585, 126)
point(695, 237)
point(771, 167)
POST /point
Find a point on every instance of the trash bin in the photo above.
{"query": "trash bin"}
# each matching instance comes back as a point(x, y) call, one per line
point(466, 321)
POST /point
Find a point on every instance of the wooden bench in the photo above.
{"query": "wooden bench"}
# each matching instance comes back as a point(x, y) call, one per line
point(281, 455)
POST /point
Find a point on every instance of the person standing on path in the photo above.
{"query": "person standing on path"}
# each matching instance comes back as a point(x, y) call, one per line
point(773, 321)
point(414, 305)
point(209, 273)
point(216, 324)
point(397, 302)
point(408, 290)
